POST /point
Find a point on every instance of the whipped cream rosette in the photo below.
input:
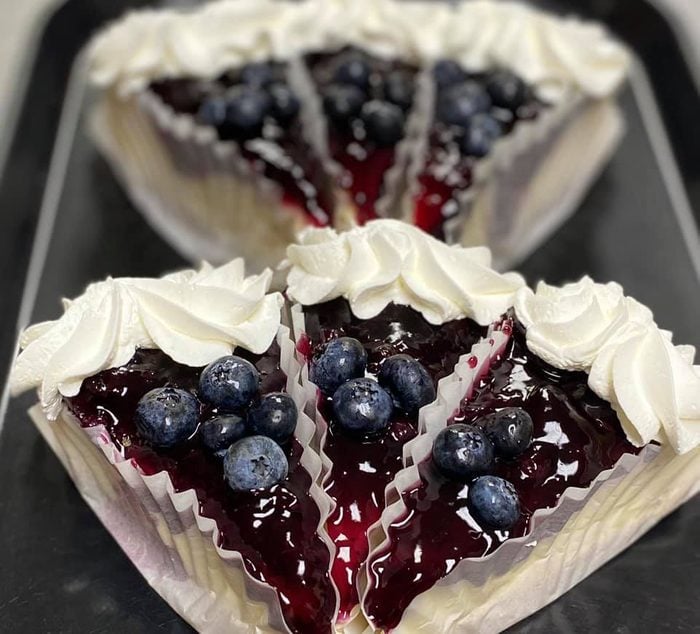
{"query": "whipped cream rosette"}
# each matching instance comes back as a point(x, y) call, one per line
point(206, 478)
point(236, 125)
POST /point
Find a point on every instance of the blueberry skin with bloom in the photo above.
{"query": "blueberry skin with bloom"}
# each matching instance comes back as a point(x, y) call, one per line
point(342, 102)
point(398, 89)
point(494, 502)
point(229, 383)
point(246, 109)
point(342, 359)
point(362, 406)
point(407, 381)
point(354, 71)
point(220, 432)
point(459, 103)
point(384, 122)
point(480, 135)
point(255, 462)
point(462, 452)
point(447, 72)
point(274, 416)
point(258, 74)
point(506, 89)
point(510, 430)
point(166, 416)
point(285, 104)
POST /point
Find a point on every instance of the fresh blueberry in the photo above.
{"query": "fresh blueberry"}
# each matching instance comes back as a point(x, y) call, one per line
point(510, 431)
point(506, 89)
point(354, 71)
point(384, 122)
point(462, 451)
point(219, 433)
point(447, 73)
point(167, 416)
point(494, 502)
point(342, 102)
point(459, 103)
point(285, 104)
point(255, 462)
point(362, 406)
point(342, 359)
point(246, 109)
point(212, 111)
point(407, 381)
point(258, 74)
point(398, 89)
point(229, 383)
point(480, 135)
point(274, 416)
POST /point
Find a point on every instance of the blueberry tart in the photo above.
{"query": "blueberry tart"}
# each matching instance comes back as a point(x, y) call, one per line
point(238, 124)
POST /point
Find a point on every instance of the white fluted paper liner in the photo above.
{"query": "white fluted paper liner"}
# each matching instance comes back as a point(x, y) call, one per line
point(565, 544)
point(162, 531)
point(195, 190)
point(533, 179)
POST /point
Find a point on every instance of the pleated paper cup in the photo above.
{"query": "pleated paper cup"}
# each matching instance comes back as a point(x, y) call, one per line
point(162, 531)
point(588, 527)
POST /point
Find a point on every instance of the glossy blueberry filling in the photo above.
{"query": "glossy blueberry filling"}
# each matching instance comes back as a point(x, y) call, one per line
point(363, 466)
point(255, 107)
point(576, 437)
point(366, 102)
point(275, 530)
point(472, 112)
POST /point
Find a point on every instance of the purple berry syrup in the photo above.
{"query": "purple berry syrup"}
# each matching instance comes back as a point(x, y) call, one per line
point(274, 530)
point(576, 437)
point(362, 468)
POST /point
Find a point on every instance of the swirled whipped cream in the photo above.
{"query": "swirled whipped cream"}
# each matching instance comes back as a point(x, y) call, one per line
point(194, 317)
point(652, 384)
point(389, 261)
point(551, 53)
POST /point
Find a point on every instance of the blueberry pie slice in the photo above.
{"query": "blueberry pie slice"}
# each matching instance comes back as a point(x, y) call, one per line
point(173, 404)
point(240, 123)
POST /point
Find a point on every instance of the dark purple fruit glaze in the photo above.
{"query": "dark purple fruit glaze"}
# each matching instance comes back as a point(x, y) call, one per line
point(287, 159)
point(576, 437)
point(364, 164)
point(274, 530)
point(447, 172)
point(363, 467)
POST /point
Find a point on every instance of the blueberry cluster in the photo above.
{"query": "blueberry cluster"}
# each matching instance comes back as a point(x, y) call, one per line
point(467, 452)
point(478, 106)
point(245, 430)
point(359, 99)
point(258, 95)
point(363, 405)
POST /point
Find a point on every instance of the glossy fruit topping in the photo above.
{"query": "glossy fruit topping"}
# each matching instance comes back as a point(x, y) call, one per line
point(275, 416)
point(480, 135)
point(509, 429)
point(462, 452)
point(342, 359)
point(342, 102)
point(220, 432)
point(167, 416)
point(447, 72)
point(507, 90)
point(459, 103)
point(229, 383)
point(407, 381)
point(494, 501)
point(255, 462)
point(384, 122)
point(362, 406)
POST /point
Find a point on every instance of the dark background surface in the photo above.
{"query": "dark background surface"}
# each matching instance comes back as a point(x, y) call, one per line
point(60, 570)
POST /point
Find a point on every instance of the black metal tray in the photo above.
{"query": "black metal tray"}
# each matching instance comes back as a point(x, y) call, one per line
point(65, 222)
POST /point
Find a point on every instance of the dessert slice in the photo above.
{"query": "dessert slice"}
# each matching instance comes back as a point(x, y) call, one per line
point(377, 338)
point(367, 101)
point(546, 469)
point(175, 405)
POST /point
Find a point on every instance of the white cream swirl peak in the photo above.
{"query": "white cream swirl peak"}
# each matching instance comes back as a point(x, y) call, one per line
point(167, 79)
point(388, 261)
point(652, 384)
point(193, 316)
